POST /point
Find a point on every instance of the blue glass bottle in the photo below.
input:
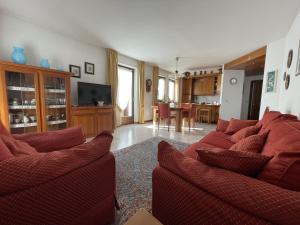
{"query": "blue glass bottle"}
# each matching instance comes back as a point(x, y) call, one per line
point(18, 55)
point(44, 63)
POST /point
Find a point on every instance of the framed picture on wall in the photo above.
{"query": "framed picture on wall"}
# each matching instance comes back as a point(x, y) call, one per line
point(75, 70)
point(298, 61)
point(271, 81)
point(89, 68)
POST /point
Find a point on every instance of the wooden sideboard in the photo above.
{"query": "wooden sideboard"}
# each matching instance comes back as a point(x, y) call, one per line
point(93, 119)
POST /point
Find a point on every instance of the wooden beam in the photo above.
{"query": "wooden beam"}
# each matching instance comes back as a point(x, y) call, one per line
point(242, 62)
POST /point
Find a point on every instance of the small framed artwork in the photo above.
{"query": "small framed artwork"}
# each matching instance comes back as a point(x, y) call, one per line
point(76, 70)
point(271, 81)
point(89, 68)
point(298, 61)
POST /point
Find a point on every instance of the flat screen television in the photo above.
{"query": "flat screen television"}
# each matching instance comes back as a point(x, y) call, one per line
point(90, 94)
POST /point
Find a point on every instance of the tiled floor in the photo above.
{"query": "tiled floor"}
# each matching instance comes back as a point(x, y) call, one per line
point(128, 135)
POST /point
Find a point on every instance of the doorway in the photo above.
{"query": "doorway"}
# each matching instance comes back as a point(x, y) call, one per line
point(255, 99)
point(125, 94)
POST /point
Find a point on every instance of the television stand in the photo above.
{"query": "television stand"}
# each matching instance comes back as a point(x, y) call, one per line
point(93, 119)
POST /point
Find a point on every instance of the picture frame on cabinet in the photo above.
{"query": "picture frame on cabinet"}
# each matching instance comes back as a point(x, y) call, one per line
point(271, 81)
point(298, 61)
point(75, 70)
point(89, 68)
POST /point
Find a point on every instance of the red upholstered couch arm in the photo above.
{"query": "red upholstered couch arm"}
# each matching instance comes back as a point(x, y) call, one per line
point(54, 140)
point(260, 199)
point(27, 171)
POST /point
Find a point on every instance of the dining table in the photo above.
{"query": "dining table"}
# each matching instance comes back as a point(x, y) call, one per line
point(178, 116)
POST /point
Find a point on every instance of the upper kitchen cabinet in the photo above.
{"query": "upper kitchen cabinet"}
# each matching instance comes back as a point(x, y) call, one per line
point(204, 86)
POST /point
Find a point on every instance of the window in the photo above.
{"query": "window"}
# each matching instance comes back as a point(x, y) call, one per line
point(172, 90)
point(161, 88)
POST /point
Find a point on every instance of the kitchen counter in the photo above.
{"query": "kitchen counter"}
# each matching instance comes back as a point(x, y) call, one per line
point(214, 111)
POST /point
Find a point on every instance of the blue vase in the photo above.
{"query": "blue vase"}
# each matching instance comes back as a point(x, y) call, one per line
point(18, 55)
point(44, 63)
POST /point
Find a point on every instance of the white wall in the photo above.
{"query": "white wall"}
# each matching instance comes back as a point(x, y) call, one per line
point(59, 49)
point(289, 100)
point(231, 95)
point(286, 101)
point(274, 59)
point(246, 94)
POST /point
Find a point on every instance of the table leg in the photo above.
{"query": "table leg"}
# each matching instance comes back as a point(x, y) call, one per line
point(178, 121)
point(154, 116)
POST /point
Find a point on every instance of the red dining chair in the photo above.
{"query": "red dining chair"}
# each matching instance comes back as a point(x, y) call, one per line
point(189, 113)
point(164, 113)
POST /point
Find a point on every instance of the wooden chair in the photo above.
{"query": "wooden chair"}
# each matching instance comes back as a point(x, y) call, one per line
point(204, 115)
point(189, 113)
point(164, 113)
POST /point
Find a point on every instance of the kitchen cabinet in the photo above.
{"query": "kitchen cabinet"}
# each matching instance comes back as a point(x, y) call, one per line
point(204, 86)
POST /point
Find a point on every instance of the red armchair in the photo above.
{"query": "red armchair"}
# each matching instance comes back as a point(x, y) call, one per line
point(72, 186)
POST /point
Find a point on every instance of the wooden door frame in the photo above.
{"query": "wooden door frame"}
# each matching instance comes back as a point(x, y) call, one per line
point(250, 96)
point(132, 71)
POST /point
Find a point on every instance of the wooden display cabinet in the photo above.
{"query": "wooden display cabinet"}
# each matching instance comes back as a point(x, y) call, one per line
point(25, 96)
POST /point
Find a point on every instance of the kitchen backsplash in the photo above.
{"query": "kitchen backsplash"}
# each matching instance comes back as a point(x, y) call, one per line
point(206, 99)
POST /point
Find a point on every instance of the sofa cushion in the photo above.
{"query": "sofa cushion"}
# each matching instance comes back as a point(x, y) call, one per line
point(246, 163)
point(4, 151)
point(245, 132)
point(214, 139)
point(236, 125)
point(17, 147)
point(3, 130)
point(253, 143)
point(222, 125)
point(284, 136)
point(283, 170)
point(54, 140)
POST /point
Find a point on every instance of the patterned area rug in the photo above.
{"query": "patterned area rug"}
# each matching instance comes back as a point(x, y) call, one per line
point(134, 166)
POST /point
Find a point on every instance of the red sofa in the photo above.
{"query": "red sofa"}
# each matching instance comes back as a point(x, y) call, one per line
point(66, 182)
point(188, 192)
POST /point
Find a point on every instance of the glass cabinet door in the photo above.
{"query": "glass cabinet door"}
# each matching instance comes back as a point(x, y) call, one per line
point(55, 97)
point(23, 114)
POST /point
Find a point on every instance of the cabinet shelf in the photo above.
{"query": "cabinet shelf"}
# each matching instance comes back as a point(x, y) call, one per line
point(22, 107)
point(15, 88)
point(56, 106)
point(22, 125)
point(55, 122)
point(56, 91)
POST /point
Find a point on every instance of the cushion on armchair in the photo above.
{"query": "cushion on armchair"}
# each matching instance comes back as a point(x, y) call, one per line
point(54, 140)
point(17, 147)
point(236, 125)
point(246, 163)
point(24, 172)
point(253, 143)
point(283, 170)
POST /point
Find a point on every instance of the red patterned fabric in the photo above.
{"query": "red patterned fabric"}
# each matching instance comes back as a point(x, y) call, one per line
point(243, 133)
point(4, 151)
point(214, 139)
point(283, 137)
point(268, 117)
point(69, 187)
point(3, 130)
point(246, 163)
point(17, 147)
point(54, 140)
point(245, 196)
point(178, 202)
point(236, 125)
point(222, 125)
point(283, 170)
point(252, 143)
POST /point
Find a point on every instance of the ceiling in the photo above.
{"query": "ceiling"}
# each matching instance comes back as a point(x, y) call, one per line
point(206, 33)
